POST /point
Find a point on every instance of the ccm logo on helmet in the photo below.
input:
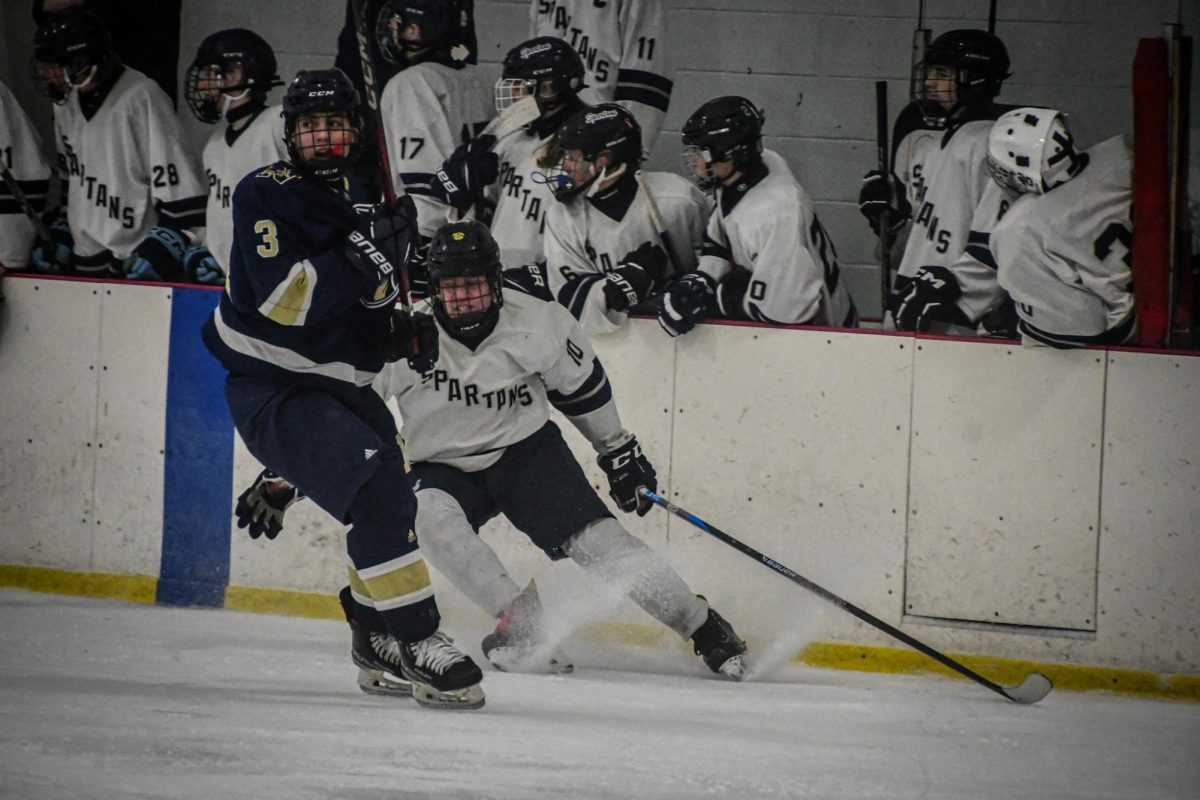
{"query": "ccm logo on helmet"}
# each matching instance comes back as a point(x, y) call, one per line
point(320, 93)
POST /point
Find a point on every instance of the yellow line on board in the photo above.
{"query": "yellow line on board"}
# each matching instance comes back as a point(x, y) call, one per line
point(823, 655)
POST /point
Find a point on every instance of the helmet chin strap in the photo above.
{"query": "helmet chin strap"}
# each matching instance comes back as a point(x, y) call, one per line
point(604, 176)
point(76, 82)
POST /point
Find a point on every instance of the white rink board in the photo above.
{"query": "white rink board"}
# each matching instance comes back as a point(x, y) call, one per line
point(49, 350)
point(131, 428)
point(1005, 479)
point(1150, 540)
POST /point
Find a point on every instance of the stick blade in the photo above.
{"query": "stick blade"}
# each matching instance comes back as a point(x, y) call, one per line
point(1033, 688)
point(513, 118)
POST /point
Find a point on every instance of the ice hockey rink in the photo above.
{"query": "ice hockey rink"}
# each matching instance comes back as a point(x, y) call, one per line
point(109, 700)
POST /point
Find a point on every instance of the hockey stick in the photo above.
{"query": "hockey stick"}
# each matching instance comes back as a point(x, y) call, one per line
point(920, 43)
point(884, 155)
point(371, 90)
point(501, 126)
point(991, 17)
point(14, 188)
point(660, 227)
point(1033, 688)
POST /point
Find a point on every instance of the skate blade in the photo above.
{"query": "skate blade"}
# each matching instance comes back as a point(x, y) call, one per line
point(529, 660)
point(379, 683)
point(467, 699)
point(734, 667)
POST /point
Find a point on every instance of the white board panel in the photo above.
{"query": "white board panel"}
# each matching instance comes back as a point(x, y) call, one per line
point(1005, 498)
point(1150, 520)
point(131, 428)
point(49, 351)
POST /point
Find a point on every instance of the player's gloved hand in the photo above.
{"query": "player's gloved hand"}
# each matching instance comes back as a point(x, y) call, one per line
point(639, 273)
point(55, 257)
point(201, 266)
point(688, 301)
point(414, 339)
point(731, 293)
point(930, 297)
point(159, 257)
point(464, 174)
point(879, 193)
point(628, 470)
point(383, 242)
point(261, 507)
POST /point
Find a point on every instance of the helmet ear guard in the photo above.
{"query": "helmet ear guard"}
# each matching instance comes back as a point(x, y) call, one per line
point(1031, 150)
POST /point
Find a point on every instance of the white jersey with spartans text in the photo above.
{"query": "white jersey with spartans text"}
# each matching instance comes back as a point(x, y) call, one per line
point(127, 169)
point(474, 403)
point(21, 150)
point(428, 110)
point(522, 197)
point(230, 156)
point(773, 231)
point(583, 243)
point(623, 44)
point(1064, 256)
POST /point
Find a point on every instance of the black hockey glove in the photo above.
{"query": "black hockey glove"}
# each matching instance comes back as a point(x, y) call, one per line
point(414, 339)
point(159, 257)
point(628, 470)
point(261, 507)
point(55, 257)
point(689, 300)
point(637, 277)
point(731, 293)
point(878, 193)
point(464, 174)
point(201, 267)
point(383, 242)
point(931, 297)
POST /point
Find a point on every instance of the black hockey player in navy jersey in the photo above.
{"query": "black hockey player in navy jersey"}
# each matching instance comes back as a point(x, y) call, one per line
point(305, 324)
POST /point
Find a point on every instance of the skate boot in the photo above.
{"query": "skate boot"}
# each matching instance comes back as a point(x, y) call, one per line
point(377, 656)
point(516, 646)
point(720, 647)
point(442, 676)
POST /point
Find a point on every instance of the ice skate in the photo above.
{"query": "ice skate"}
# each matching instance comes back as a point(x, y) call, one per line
point(442, 676)
point(516, 645)
point(720, 647)
point(377, 656)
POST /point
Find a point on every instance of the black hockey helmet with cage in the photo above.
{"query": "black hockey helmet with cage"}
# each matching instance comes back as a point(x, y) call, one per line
point(433, 18)
point(322, 91)
point(725, 128)
point(465, 249)
point(215, 56)
point(980, 61)
point(607, 130)
point(76, 40)
point(544, 59)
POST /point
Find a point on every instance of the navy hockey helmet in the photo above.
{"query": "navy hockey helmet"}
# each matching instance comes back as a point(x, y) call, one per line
point(68, 47)
point(546, 67)
point(322, 122)
point(979, 64)
point(465, 250)
point(607, 131)
point(723, 129)
point(433, 20)
point(209, 75)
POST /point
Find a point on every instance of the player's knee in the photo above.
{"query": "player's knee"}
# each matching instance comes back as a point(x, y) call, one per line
point(440, 519)
point(604, 540)
point(382, 513)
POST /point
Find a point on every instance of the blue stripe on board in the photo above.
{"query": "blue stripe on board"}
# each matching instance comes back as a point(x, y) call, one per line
point(199, 462)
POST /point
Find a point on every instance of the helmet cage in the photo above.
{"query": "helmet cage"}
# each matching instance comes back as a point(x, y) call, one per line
point(979, 64)
point(433, 20)
point(464, 262)
point(207, 87)
point(327, 148)
point(510, 90)
point(550, 64)
point(726, 129)
point(68, 49)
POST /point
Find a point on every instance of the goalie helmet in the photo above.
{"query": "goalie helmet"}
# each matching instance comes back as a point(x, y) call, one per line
point(221, 52)
point(546, 67)
point(607, 131)
point(322, 122)
point(68, 47)
point(1030, 150)
point(723, 129)
point(434, 21)
point(979, 64)
point(465, 250)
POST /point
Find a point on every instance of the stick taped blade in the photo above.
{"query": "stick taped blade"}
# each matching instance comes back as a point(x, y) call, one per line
point(513, 118)
point(1033, 688)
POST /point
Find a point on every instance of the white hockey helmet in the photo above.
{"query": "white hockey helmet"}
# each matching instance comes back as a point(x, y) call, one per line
point(1030, 150)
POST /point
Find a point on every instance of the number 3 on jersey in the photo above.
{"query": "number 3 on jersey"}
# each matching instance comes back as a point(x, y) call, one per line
point(270, 241)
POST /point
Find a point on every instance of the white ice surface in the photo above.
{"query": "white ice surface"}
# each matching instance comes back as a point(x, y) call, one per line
point(100, 699)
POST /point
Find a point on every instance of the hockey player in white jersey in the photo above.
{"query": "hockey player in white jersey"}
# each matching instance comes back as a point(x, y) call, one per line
point(765, 255)
point(958, 204)
point(135, 198)
point(603, 252)
point(229, 79)
point(1063, 250)
point(21, 150)
point(624, 45)
point(431, 106)
point(509, 175)
point(481, 443)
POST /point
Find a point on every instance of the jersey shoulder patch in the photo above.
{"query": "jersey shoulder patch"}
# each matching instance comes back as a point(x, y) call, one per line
point(530, 280)
point(281, 172)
